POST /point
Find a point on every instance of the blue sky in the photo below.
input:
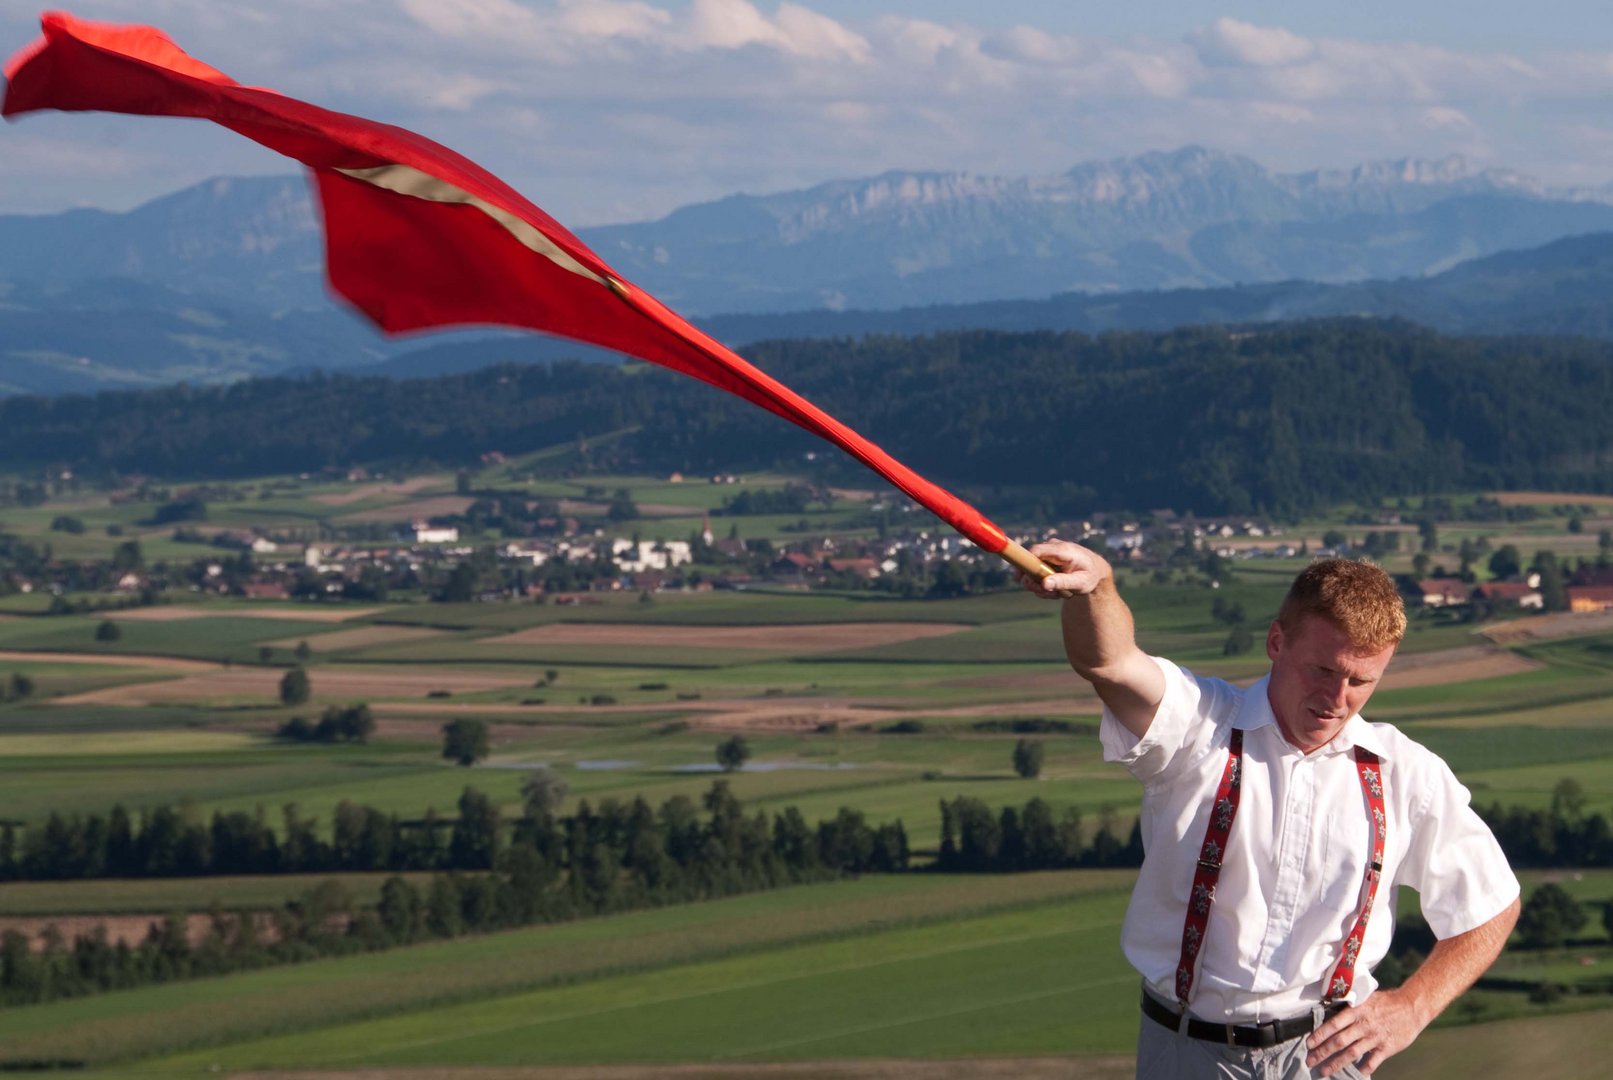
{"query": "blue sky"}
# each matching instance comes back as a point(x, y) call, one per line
point(617, 110)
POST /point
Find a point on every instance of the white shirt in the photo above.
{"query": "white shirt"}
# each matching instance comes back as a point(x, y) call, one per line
point(1291, 879)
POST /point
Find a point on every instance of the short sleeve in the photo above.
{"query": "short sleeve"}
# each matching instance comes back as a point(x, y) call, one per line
point(1186, 704)
point(1454, 861)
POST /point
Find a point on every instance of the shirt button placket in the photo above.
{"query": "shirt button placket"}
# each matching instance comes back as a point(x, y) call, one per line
point(1299, 807)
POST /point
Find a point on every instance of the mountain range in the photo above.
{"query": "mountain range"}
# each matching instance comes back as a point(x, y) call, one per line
point(223, 280)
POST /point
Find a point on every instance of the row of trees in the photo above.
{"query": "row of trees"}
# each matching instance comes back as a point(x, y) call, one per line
point(974, 839)
point(543, 868)
point(1561, 835)
point(655, 844)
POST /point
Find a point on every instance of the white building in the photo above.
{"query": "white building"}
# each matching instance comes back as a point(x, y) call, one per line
point(425, 533)
point(650, 554)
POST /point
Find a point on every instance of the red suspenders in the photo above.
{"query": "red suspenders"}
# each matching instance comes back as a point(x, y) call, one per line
point(1209, 866)
point(1366, 763)
point(1216, 832)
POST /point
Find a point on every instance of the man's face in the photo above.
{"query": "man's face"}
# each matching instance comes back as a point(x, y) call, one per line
point(1319, 680)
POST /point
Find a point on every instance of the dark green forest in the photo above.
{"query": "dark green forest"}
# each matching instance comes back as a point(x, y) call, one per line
point(1283, 419)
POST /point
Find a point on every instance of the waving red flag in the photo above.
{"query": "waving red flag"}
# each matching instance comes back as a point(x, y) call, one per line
point(418, 236)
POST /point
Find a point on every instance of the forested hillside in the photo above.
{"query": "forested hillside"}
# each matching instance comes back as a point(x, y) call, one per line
point(1283, 418)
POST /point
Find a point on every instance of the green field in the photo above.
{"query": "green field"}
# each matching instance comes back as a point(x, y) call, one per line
point(915, 968)
point(907, 920)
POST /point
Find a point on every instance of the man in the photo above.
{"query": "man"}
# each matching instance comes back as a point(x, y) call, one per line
point(1270, 816)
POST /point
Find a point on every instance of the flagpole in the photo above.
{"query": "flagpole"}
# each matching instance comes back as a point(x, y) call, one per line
point(1024, 560)
point(819, 422)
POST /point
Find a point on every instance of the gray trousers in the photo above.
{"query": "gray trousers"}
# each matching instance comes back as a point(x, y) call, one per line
point(1163, 1054)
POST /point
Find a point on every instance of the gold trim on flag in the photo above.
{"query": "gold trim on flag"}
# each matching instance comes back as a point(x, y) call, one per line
point(407, 180)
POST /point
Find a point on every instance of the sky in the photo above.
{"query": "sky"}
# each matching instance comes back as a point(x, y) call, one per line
point(622, 110)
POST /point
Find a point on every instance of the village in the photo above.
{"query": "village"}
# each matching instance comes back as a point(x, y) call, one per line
point(569, 558)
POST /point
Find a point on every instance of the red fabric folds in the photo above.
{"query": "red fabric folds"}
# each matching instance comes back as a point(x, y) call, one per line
point(472, 252)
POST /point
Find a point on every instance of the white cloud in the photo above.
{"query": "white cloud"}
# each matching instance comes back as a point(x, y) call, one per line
point(1231, 42)
point(612, 19)
point(472, 18)
point(795, 30)
point(1443, 116)
point(600, 106)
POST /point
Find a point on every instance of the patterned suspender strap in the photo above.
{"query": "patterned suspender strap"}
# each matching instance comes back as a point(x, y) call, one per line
point(1343, 977)
point(1209, 867)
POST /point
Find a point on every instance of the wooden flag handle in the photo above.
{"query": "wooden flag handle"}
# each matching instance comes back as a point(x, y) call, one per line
point(1025, 561)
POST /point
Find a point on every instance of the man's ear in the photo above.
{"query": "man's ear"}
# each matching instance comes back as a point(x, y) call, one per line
point(1274, 640)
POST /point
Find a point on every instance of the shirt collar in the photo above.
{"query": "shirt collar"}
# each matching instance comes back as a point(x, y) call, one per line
point(1255, 712)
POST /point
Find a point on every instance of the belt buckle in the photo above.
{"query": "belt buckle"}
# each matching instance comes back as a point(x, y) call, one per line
point(1232, 1034)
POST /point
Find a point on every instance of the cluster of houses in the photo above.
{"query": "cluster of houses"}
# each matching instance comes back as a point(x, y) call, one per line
point(705, 561)
point(1589, 590)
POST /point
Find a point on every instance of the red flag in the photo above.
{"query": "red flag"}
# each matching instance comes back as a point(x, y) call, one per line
point(418, 236)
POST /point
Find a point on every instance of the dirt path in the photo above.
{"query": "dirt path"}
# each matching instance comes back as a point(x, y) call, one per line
point(156, 663)
point(329, 683)
point(820, 637)
point(435, 506)
point(1548, 627)
point(1107, 1067)
point(371, 491)
point(786, 714)
point(289, 611)
point(1467, 664)
point(1549, 498)
point(360, 636)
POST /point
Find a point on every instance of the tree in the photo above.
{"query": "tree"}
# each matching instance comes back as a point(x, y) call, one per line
point(302, 652)
point(1549, 917)
point(1506, 563)
point(460, 585)
point(108, 631)
point(732, 753)
point(1553, 594)
point(17, 687)
point(543, 792)
point(127, 556)
point(464, 742)
point(1428, 533)
point(1238, 642)
point(473, 844)
point(1028, 755)
point(294, 687)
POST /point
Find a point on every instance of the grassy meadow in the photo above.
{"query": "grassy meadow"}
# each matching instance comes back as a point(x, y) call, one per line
point(880, 704)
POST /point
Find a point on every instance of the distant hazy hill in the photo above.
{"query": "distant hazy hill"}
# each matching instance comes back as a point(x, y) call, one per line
point(1562, 288)
point(116, 333)
point(1192, 218)
point(223, 280)
point(113, 333)
point(251, 241)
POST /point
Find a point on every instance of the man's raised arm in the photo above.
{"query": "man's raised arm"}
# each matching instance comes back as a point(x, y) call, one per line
point(1099, 635)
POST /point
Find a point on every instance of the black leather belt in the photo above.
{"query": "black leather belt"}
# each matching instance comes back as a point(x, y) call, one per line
point(1268, 1034)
